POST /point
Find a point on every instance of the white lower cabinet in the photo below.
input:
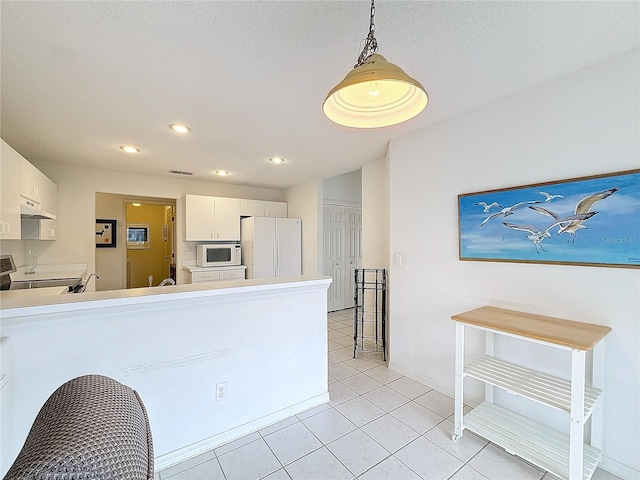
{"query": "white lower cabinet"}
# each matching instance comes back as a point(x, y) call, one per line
point(205, 277)
point(197, 275)
point(571, 456)
point(232, 274)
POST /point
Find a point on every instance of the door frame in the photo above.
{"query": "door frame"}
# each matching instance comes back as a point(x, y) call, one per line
point(128, 199)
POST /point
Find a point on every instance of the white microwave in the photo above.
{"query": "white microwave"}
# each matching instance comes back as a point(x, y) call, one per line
point(218, 254)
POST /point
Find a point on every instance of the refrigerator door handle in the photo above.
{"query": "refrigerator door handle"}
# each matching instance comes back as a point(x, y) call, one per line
point(277, 262)
point(275, 249)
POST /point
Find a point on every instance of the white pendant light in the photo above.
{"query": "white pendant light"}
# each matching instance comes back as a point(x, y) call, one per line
point(376, 93)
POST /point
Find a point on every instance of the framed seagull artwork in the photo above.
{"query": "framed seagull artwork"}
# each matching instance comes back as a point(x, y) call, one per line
point(592, 221)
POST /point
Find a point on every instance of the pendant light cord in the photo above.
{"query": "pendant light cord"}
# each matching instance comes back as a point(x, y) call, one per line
point(371, 44)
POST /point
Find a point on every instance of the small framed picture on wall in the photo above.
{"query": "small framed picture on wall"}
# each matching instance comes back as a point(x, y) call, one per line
point(138, 236)
point(105, 233)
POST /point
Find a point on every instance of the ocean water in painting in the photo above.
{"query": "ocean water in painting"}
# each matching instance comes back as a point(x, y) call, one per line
point(588, 221)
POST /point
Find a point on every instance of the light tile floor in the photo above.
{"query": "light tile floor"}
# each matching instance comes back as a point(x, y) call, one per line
point(379, 425)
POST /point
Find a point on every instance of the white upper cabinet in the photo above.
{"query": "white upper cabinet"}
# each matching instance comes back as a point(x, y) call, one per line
point(36, 186)
point(32, 182)
point(262, 208)
point(43, 229)
point(10, 166)
point(227, 219)
point(48, 195)
point(275, 209)
point(21, 179)
point(212, 218)
point(199, 217)
point(251, 208)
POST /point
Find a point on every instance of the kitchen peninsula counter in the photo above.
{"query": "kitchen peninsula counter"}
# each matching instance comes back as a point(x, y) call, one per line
point(266, 339)
point(20, 307)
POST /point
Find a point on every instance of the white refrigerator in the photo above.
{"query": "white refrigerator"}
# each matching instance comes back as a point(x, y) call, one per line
point(271, 247)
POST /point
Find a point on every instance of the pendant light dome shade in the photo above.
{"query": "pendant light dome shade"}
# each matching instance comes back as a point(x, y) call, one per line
point(375, 94)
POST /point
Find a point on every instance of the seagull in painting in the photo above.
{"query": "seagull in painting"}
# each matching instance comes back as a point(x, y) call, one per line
point(487, 207)
point(506, 211)
point(548, 198)
point(583, 207)
point(537, 236)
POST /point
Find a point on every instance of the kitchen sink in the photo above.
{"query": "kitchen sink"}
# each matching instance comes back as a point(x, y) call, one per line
point(60, 282)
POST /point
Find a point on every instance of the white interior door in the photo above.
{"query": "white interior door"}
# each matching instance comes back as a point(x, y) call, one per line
point(342, 252)
point(334, 258)
point(353, 250)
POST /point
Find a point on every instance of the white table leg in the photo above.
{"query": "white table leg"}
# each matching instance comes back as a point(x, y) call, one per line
point(576, 431)
point(597, 381)
point(458, 401)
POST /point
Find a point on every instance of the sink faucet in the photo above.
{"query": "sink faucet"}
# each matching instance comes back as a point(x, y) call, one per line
point(167, 281)
point(82, 287)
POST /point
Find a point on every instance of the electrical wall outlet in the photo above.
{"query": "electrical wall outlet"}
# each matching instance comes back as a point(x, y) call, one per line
point(221, 391)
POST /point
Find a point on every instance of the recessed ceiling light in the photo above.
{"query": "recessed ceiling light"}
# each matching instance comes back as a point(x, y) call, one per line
point(179, 128)
point(135, 204)
point(129, 148)
point(222, 173)
point(277, 160)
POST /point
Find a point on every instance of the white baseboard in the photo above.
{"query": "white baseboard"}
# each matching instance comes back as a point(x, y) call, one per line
point(618, 469)
point(185, 453)
point(429, 382)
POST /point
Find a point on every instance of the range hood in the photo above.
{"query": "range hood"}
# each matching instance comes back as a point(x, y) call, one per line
point(31, 209)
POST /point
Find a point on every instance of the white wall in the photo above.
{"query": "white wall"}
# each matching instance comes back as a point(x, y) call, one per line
point(266, 341)
point(375, 214)
point(343, 189)
point(305, 202)
point(582, 124)
point(77, 187)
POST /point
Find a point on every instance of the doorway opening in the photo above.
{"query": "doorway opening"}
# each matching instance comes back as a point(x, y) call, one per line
point(342, 236)
point(150, 243)
point(144, 250)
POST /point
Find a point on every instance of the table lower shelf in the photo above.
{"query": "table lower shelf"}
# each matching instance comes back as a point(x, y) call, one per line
point(538, 444)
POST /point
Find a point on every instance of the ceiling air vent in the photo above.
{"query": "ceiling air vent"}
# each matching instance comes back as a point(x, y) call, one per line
point(180, 172)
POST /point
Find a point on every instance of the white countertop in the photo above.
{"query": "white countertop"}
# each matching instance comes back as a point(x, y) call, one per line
point(195, 268)
point(28, 294)
point(19, 307)
point(51, 272)
point(21, 276)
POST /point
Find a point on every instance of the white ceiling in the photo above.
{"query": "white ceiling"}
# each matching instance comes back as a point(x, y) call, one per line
point(249, 77)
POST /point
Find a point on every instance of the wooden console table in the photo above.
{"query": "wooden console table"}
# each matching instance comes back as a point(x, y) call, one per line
point(567, 457)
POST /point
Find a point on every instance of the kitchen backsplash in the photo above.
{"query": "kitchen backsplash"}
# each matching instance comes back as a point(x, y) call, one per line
point(20, 248)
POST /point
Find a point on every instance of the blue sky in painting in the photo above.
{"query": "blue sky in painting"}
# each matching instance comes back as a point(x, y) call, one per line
point(611, 236)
